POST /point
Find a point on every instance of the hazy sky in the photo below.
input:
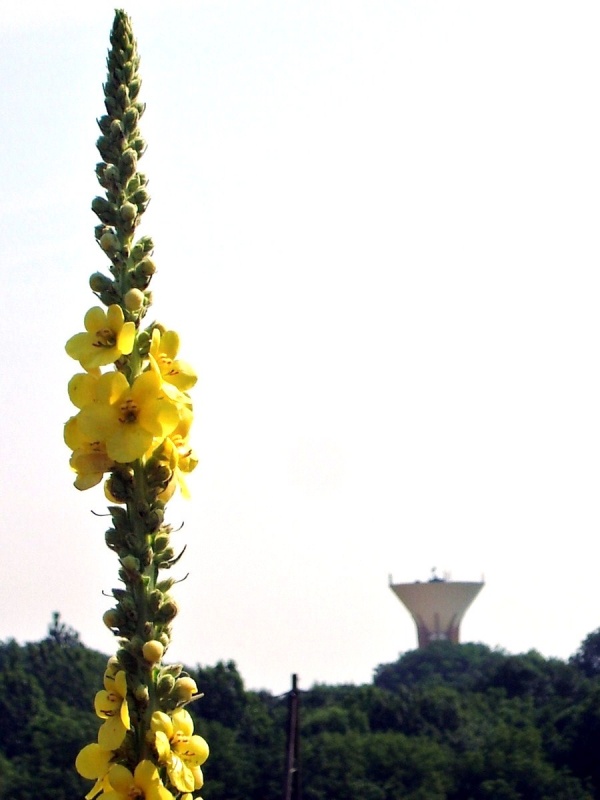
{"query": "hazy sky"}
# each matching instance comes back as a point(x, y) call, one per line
point(377, 231)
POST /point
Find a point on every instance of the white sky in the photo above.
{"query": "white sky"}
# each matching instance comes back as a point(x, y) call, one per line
point(376, 226)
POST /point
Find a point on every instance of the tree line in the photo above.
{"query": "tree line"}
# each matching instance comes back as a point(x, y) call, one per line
point(451, 722)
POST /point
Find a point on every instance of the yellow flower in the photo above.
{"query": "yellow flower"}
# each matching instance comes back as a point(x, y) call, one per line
point(179, 748)
point(130, 420)
point(89, 459)
point(93, 763)
point(111, 705)
point(106, 338)
point(178, 455)
point(144, 783)
point(90, 462)
point(163, 349)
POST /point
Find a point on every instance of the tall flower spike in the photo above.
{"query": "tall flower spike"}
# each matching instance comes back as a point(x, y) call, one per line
point(132, 426)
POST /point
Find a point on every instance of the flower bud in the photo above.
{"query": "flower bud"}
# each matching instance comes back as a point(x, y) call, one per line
point(99, 282)
point(146, 267)
point(128, 211)
point(130, 564)
point(130, 119)
point(172, 669)
point(104, 210)
point(154, 600)
point(143, 247)
point(160, 542)
point(142, 694)
point(134, 300)
point(127, 163)
point(167, 612)
point(185, 689)
point(153, 651)
point(165, 685)
point(111, 618)
point(109, 242)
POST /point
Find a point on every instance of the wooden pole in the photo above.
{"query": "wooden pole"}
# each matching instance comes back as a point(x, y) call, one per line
point(291, 790)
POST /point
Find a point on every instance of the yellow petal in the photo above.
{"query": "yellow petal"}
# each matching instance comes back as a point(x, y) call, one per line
point(120, 778)
point(82, 389)
point(126, 338)
point(111, 734)
point(182, 721)
point(92, 761)
point(180, 775)
point(73, 436)
point(169, 343)
point(98, 422)
point(198, 777)
point(193, 749)
point(95, 319)
point(146, 774)
point(121, 683)
point(115, 317)
point(107, 704)
point(162, 745)
point(128, 443)
point(83, 482)
point(162, 722)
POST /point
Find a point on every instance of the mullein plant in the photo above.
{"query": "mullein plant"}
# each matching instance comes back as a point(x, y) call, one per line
point(131, 430)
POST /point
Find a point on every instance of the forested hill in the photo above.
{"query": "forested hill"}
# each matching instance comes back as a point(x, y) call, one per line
point(453, 722)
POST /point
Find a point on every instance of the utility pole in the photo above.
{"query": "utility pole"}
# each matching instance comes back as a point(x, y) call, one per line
point(291, 787)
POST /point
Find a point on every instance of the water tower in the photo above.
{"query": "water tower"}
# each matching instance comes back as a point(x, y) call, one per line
point(437, 606)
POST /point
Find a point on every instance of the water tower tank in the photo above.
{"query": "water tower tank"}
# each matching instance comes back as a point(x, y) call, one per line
point(437, 606)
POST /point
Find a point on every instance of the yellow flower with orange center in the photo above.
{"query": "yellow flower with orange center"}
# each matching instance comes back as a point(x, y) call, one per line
point(182, 751)
point(164, 348)
point(106, 338)
point(130, 420)
point(143, 784)
point(110, 704)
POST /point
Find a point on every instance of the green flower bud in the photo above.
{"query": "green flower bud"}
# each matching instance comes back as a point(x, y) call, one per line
point(166, 613)
point(147, 556)
point(104, 124)
point(143, 247)
point(130, 119)
point(139, 145)
point(100, 283)
point(127, 660)
point(128, 212)
point(161, 541)
point(111, 618)
point(106, 211)
point(141, 694)
point(123, 96)
point(109, 242)
point(127, 163)
point(114, 539)
point(154, 601)
point(172, 669)
point(141, 198)
point(134, 89)
point(165, 685)
point(130, 564)
point(119, 485)
point(164, 560)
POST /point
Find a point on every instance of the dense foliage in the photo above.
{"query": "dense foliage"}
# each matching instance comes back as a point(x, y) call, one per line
point(452, 722)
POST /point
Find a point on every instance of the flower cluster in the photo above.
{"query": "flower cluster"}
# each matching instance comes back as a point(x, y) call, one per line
point(132, 428)
point(127, 416)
